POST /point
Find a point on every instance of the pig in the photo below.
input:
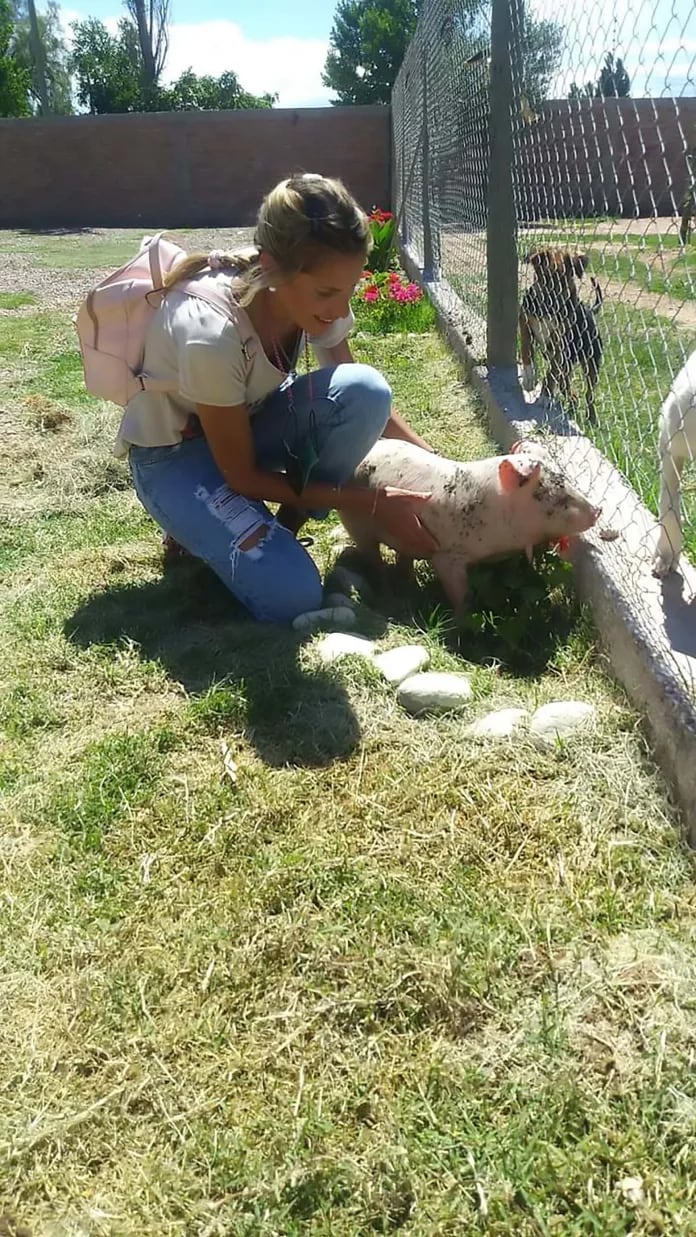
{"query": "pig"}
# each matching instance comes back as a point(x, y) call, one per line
point(479, 509)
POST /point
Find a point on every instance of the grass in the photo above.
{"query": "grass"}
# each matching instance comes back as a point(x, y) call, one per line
point(16, 300)
point(387, 979)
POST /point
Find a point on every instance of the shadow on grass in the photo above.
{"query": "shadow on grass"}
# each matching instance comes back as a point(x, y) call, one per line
point(519, 614)
point(188, 623)
point(57, 232)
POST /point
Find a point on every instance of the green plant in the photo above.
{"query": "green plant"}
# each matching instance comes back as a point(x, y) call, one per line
point(388, 301)
point(382, 227)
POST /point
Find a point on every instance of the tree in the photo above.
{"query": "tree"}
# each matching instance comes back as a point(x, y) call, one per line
point(56, 75)
point(206, 93)
point(14, 79)
point(151, 20)
point(613, 82)
point(107, 67)
point(366, 48)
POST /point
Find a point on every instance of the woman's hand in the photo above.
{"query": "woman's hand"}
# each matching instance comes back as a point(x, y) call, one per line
point(398, 511)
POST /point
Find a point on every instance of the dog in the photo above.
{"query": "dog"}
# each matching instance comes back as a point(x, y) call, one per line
point(677, 444)
point(555, 320)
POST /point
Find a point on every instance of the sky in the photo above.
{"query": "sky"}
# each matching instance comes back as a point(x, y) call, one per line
point(656, 39)
point(281, 45)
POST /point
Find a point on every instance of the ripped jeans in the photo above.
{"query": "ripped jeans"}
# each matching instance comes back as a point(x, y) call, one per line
point(184, 491)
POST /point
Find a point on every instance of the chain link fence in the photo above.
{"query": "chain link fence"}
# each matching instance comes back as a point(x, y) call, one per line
point(544, 161)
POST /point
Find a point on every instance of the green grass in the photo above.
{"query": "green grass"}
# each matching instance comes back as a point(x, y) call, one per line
point(388, 979)
point(16, 300)
point(73, 251)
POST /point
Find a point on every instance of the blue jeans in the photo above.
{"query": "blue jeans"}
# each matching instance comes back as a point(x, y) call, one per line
point(183, 489)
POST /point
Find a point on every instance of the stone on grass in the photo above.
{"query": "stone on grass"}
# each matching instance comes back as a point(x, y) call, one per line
point(498, 725)
point(397, 664)
point(331, 617)
point(337, 645)
point(434, 692)
point(561, 720)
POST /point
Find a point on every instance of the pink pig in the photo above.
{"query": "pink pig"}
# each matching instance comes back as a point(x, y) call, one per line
point(479, 509)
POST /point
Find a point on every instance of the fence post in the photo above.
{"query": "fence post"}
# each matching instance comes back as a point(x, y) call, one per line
point(429, 271)
point(403, 205)
point(501, 230)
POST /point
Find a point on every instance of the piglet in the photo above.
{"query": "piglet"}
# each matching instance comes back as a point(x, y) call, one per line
point(479, 508)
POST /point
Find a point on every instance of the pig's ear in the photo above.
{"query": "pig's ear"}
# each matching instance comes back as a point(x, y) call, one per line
point(517, 470)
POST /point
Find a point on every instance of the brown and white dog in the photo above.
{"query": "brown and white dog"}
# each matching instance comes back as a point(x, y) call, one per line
point(555, 321)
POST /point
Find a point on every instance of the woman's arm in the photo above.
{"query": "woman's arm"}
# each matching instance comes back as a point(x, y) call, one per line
point(229, 436)
point(228, 433)
point(396, 427)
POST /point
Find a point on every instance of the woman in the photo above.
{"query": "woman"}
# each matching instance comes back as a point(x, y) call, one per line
point(242, 430)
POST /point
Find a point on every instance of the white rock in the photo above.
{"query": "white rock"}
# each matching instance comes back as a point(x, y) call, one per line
point(632, 1190)
point(332, 617)
point(561, 720)
point(434, 692)
point(498, 725)
point(339, 645)
point(397, 664)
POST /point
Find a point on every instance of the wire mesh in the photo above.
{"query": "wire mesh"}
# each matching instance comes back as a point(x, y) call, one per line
point(441, 95)
point(603, 114)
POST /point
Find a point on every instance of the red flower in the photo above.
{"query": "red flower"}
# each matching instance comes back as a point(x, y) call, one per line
point(371, 293)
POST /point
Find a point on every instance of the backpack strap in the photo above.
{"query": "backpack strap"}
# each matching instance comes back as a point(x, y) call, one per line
point(231, 310)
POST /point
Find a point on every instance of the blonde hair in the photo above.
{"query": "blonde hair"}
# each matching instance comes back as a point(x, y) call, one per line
point(297, 222)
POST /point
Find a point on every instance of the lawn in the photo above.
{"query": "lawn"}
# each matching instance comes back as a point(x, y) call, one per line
point(386, 978)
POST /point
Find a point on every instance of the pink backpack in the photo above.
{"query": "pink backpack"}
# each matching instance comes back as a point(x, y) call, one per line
point(112, 321)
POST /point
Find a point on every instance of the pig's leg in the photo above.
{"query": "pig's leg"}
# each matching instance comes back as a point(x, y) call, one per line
point(451, 570)
point(363, 534)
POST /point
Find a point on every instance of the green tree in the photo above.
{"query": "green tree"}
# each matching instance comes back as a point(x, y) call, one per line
point(14, 79)
point(613, 82)
point(54, 76)
point(366, 48)
point(107, 68)
point(206, 93)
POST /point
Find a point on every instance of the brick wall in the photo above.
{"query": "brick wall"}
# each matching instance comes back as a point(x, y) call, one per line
point(182, 169)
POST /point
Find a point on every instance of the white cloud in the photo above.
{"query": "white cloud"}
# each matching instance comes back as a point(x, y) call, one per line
point(287, 66)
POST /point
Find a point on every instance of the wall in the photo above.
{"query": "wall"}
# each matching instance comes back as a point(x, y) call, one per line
point(169, 169)
point(605, 156)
